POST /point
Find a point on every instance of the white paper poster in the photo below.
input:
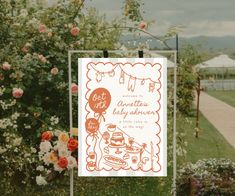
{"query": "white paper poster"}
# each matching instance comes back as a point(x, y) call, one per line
point(122, 117)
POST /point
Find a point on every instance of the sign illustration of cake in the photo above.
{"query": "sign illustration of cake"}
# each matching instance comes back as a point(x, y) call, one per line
point(117, 139)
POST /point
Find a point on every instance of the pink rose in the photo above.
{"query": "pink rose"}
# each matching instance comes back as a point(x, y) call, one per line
point(54, 71)
point(143, 25)
point(17, 92)
point(26, 47)
point(74, 88)
point(42, 28)
point(6, 66)
point(42, 58)
point(74, 31)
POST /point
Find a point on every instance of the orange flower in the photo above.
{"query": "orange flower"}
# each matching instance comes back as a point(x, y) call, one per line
point(52, 158)
point(72, 144)
point(63, 137)
point(47, 135)
point(62, 162)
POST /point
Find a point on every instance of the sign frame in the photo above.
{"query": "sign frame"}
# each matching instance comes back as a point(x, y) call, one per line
point(172, 52)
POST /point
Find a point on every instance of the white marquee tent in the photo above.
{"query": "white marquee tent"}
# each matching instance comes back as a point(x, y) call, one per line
point(221, 61)
point(218, 73)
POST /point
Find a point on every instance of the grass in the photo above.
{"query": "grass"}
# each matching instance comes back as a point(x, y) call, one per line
point(225, 96)
point(210, 144)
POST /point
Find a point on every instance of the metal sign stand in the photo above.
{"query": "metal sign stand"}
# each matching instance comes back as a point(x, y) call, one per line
point(174, 52)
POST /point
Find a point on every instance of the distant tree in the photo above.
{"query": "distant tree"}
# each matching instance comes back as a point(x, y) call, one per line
point(188, 58)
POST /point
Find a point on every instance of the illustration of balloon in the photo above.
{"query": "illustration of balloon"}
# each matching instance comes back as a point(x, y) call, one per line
point(92, 126)
point(99, 101)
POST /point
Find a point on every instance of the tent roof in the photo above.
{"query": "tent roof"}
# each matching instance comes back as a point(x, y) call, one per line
point(220, 61)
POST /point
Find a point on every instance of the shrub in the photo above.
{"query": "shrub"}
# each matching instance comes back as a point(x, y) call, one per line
point(207, 177)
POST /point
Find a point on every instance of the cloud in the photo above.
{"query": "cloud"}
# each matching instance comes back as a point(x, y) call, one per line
point(207, 17)
point(210, 28)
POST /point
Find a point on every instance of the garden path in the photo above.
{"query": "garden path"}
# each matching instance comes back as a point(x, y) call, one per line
point(220, 114)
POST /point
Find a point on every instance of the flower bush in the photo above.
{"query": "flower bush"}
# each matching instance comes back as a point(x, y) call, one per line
point(207, 177)
point(58, 152)
point(34, 87)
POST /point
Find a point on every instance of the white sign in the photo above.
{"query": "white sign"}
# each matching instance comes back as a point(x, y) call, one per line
point(122, 117)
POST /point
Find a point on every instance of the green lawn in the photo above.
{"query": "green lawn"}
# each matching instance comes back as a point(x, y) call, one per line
point(210, 144)
point(226, 96)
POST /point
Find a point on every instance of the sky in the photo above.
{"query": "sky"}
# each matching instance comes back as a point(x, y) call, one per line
point(199, 17)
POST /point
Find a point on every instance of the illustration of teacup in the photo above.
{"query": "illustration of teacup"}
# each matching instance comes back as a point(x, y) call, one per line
point(91, 165)
point(111, 127)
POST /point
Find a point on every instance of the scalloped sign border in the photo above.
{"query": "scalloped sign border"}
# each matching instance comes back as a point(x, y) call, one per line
point(105, 147)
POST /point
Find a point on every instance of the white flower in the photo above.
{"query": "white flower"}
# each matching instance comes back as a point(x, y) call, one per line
point(23, 13)
point(57, 132)
point(17, 141)
point(2, 90)
point(46, 159)
point(58, 168)
point(33, 22)
point(27, 155)
point(40, 155)
point(15, 116)
point(33, 150)
point(72, 163)
point(27, 126)
point(5, 105)
point(45, 146)
point(63, 150)
point(59, 145)
point(41, 180)
point(40, 168)
point(2, 150)
point(54, 120)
